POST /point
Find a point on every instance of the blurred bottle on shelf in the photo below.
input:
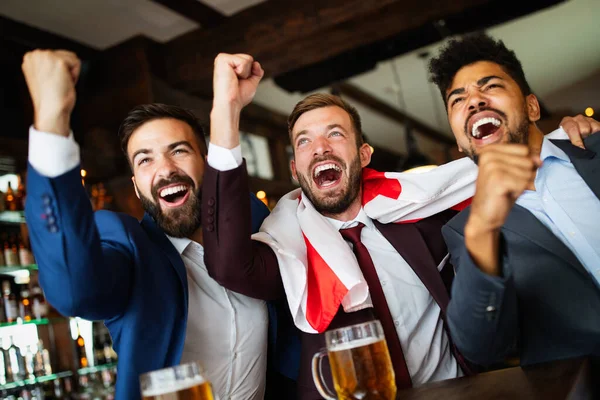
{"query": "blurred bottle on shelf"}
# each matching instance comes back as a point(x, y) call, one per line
point(10, 200)
point(20, 194)
point(80, 349)
point(25, 254)
point(29, 363)
point(10, 302)
point(11, 255)
point(38, 302)
point(25, 307)
point(17, 362)
point(3, 362)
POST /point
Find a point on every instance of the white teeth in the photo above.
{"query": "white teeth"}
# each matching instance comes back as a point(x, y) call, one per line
point(325, 167)
point(483, 121)
point(172, 190)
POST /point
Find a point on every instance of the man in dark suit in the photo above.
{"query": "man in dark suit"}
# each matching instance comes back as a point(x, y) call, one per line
point(146, 280)
point(408, 290)
point(527, 250)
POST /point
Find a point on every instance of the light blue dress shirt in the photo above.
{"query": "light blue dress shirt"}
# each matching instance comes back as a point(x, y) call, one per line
point(567, 206)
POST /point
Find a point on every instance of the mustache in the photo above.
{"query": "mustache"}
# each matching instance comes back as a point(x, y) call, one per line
point(330, 157)
point(182, 179)
point(481, 109)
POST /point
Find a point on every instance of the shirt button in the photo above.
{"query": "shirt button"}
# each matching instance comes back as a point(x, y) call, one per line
point(572, 233)
point(383, 283)
point(235, 355)
point(397, 323)
point(490, 309)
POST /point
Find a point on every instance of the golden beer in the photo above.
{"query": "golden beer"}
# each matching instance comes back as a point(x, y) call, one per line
point(360, 362)
point(201, 391)
point(363, 370)
point(180, 382)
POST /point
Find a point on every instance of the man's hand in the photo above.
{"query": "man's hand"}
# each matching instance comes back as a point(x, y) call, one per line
point(51, 76)
point(505, 171)
point(579, 127)
point(235, 80)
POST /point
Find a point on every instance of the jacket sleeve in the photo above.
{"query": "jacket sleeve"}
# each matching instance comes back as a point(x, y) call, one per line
point(483, 310)
point(83, 272)
point(232, 258)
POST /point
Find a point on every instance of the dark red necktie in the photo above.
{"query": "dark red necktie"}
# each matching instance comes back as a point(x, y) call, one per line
point(382, 310)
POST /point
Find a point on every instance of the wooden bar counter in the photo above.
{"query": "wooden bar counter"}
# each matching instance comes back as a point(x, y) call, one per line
point(565, 379)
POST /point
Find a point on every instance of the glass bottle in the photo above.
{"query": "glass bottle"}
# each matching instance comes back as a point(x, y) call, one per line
point(10, 302)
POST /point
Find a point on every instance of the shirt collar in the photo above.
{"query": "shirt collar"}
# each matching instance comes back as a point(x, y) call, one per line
point(180, 244)
point(361, 217)
point(549, 149)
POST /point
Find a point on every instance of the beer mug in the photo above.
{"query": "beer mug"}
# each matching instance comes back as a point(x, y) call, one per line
point(360, 364)
point(182, 382)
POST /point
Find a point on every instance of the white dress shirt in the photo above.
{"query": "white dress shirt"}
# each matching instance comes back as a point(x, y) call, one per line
point(226, 331)
point(416, 314)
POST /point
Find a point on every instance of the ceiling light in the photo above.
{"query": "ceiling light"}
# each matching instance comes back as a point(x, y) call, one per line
point(589, 111)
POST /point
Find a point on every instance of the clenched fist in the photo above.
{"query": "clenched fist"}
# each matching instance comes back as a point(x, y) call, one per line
point(235, 80)
point(505, 172)
point(51, 76)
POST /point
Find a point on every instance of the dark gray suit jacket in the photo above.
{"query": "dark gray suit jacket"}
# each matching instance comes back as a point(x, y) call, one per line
point(546, 305)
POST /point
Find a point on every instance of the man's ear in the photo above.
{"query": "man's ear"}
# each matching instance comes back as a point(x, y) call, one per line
point(533, 108)
point(135, 187)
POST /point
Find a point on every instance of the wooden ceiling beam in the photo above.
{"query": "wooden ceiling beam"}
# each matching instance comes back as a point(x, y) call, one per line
point(205, 15)
point(285, 36)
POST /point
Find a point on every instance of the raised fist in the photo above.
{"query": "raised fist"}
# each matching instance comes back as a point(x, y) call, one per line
point(51, 76)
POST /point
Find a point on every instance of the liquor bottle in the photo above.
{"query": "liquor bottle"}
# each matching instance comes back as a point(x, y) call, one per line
point(25, 308)
point(3, 380)
point(6, 367)
point(17, 363)
point(109, 354)
point(11, 255)
point(43, 365)
point(39, 304)
point(20, 194)
point(80, 350)
point(10, 302)
point(29, 363)
point(25, 255)
point(9, 199)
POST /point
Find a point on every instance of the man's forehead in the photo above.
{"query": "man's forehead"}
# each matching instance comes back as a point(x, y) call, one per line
point(322, 118)
point(472, 73)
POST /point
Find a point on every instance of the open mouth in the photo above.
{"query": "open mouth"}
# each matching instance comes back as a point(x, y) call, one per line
point(175, 195)
point(485, 127)
point(327, 175)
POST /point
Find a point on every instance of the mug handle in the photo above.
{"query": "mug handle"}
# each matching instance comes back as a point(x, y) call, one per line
point(317, 373)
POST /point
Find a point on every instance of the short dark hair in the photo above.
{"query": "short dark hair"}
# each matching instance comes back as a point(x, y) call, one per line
point(470, 49)
point(143, 113)
point(320, 100)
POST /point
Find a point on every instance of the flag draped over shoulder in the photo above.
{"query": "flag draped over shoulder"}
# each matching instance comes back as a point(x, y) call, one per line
point(319, 270)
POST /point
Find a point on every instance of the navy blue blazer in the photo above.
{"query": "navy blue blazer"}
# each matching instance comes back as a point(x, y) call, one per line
point(109, 266)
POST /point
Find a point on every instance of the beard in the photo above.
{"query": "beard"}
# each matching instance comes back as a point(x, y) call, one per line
point(520, 135)
point(340, 201)
point(178, 222)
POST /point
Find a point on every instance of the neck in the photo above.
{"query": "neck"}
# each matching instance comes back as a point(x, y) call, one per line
point(197, 236)
point(535, 140)
point(350, 213)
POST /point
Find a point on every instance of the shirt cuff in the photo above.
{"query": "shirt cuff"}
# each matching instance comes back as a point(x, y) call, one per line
point(52, 155)
point(223, 159)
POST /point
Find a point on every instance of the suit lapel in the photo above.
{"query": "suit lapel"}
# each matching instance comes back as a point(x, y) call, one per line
point(409, 242)
point(161, 240)
point(585, 161)
point(521, 222)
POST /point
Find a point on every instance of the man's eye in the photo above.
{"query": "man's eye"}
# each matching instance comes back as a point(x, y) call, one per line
point(143, 161)
point(456, 100)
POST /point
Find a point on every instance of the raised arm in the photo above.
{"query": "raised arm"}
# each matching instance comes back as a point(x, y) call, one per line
point(83, 272)
point(232, 258)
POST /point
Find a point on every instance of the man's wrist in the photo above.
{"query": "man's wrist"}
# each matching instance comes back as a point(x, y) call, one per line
point(225, 126)
point(57, 122)
point(483, 244)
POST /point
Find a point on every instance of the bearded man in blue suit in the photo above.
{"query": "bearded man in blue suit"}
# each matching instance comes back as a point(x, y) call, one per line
point(139, 277)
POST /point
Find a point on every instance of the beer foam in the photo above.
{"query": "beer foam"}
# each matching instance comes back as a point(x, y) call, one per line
point(354, 344)
point(174, 387)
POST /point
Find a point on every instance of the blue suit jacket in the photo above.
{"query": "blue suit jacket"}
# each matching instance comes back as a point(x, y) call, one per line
point(109, 266)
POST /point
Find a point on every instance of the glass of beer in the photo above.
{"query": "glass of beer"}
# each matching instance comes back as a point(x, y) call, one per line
point(182, 382)
point(360, 364)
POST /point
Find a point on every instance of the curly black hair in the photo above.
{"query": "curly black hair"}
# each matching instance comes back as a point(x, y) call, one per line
point(469, 49)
